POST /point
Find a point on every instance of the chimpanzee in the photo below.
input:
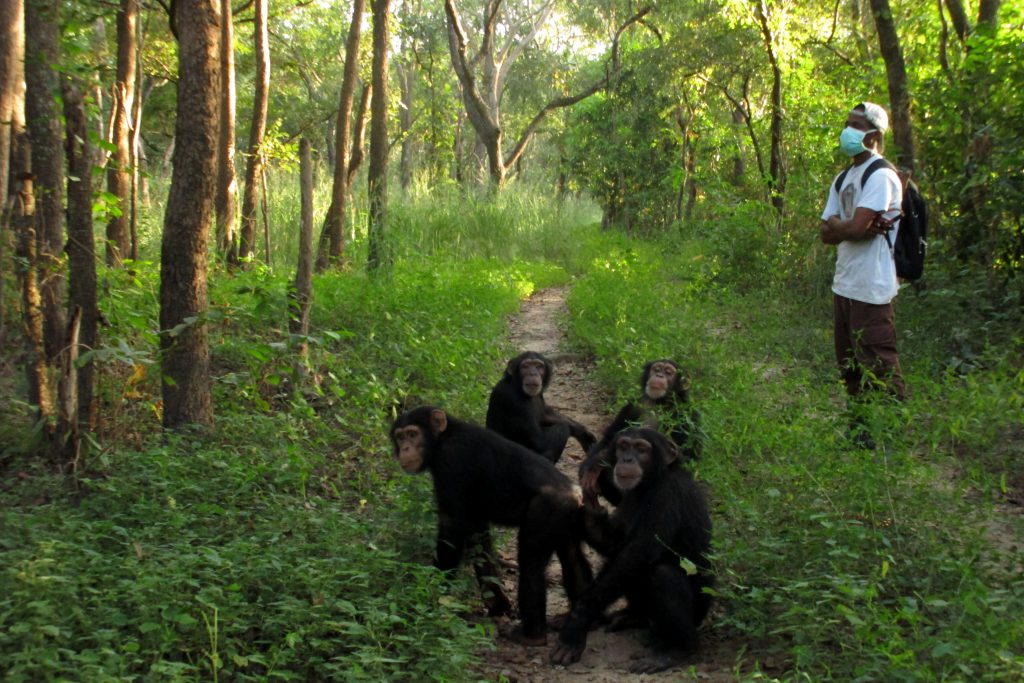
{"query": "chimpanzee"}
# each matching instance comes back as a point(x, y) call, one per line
point(655, 543)
point(518, 412)
point(665, 405)
point(480, 478)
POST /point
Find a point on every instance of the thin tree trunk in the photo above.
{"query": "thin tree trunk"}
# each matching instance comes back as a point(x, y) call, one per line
point(958, 16)
point(42, 54)
point(81, 244)
point(247, 245)
point(136, 143)
point(37, 370)
point(405, 82)
point(227, 181)
point(332, 240)
point(776, 164)
point(119, 171)
point(12, 122)
point(185, 352)
point(266, 216)
point(896, 70)
point(66, 448)
point(377, 178)
point(302, 293)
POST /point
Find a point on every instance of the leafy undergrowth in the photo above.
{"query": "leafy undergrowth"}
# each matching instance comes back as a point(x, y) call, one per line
point(846, 564)
point(286, 545)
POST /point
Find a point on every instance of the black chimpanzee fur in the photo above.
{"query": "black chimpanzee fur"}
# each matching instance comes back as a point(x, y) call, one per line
point(656, 543)
point(517, 411)
point(482, 478)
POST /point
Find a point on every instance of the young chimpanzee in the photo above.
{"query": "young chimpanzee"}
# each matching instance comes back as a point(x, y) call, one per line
point(482, 478)
point(664, 405)
point(517, 410)
point(655, 543)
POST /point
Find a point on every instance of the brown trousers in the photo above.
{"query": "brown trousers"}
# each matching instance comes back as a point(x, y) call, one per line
point(865, 336)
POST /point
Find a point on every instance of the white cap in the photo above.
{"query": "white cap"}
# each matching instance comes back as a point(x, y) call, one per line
point(875, 115)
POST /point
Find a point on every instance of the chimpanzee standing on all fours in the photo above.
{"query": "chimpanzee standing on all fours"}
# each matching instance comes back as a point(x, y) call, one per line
point(517, 410)
point(481, 478)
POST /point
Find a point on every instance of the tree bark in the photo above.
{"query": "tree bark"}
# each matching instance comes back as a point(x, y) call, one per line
point(81, 246)
point(123, 103)
point(254, 171)
point(185, 352)
point(302, 292)
point(226, 205)
point(776, 162)
point(42, 54)
point(12, 122)
point(405, 84)
point(377, 175)
point(896, 70)
point(332, 239)
point(957, 15)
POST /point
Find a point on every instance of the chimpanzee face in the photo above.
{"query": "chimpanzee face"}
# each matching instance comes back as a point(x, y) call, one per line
point(632, 462)
point(410, 443)
point(413, 441)
point(660, 378)
point(531, 373)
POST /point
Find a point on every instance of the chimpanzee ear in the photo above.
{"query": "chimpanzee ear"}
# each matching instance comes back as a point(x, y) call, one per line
point(671, 452)
point(684, 382)
point(511, 367)
point(438, 421)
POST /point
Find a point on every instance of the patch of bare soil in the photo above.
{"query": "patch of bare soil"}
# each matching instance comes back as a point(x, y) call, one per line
point(608, 655)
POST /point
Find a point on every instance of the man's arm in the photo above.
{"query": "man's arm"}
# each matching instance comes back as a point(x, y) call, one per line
point(860, 226)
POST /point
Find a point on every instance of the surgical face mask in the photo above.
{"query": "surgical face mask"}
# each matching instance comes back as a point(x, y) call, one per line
point(851, 141)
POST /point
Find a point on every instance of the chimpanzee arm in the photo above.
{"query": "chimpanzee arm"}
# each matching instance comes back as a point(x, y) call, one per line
point(599, 457)
point(597, 530)
point(452, 535)
point(577, 430)
point(629, 565)
point(513, 418)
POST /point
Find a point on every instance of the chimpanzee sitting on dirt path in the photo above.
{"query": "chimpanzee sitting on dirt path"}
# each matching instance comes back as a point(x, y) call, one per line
point(655, 543)
point(517, 410)
point(664, 405)
point(481, 478)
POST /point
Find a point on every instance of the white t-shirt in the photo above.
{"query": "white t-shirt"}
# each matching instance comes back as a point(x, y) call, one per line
point(865, 269)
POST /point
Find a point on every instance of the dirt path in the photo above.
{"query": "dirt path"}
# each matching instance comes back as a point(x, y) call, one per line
point(538, 327)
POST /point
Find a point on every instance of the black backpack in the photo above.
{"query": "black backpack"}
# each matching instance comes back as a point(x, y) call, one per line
point(911, 244)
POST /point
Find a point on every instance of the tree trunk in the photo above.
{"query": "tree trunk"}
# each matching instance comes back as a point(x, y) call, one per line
point(776, 163)
point(895, 68)
point(227, 180)
point(377, 178)
point(12, 122)
point(405, 81)
point(123, 103)
point(81, 244)
point(254, 171)
point(958, 16)
point(11, 76)
point(302, 293)
point(332, 239)
point(185, 352)
point(42, 54)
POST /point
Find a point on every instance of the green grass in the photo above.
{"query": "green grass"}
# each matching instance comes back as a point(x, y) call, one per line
point(286, 544)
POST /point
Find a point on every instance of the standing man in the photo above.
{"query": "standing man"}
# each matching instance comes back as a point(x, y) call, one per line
point(865, 278)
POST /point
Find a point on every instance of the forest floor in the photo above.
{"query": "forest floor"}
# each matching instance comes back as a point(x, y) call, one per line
point(538, 327)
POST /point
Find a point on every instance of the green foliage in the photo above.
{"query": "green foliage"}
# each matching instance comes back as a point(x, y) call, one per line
point(846, 564)
point(285, 544)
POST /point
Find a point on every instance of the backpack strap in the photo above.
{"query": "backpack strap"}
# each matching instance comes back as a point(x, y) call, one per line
point(874, 166)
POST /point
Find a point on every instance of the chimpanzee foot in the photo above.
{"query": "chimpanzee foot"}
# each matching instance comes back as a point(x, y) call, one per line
point(519, 636)
point(655, 663)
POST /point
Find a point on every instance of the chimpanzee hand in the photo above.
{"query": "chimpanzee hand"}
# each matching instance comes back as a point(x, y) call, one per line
point(588, 482)
point(569, 648)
